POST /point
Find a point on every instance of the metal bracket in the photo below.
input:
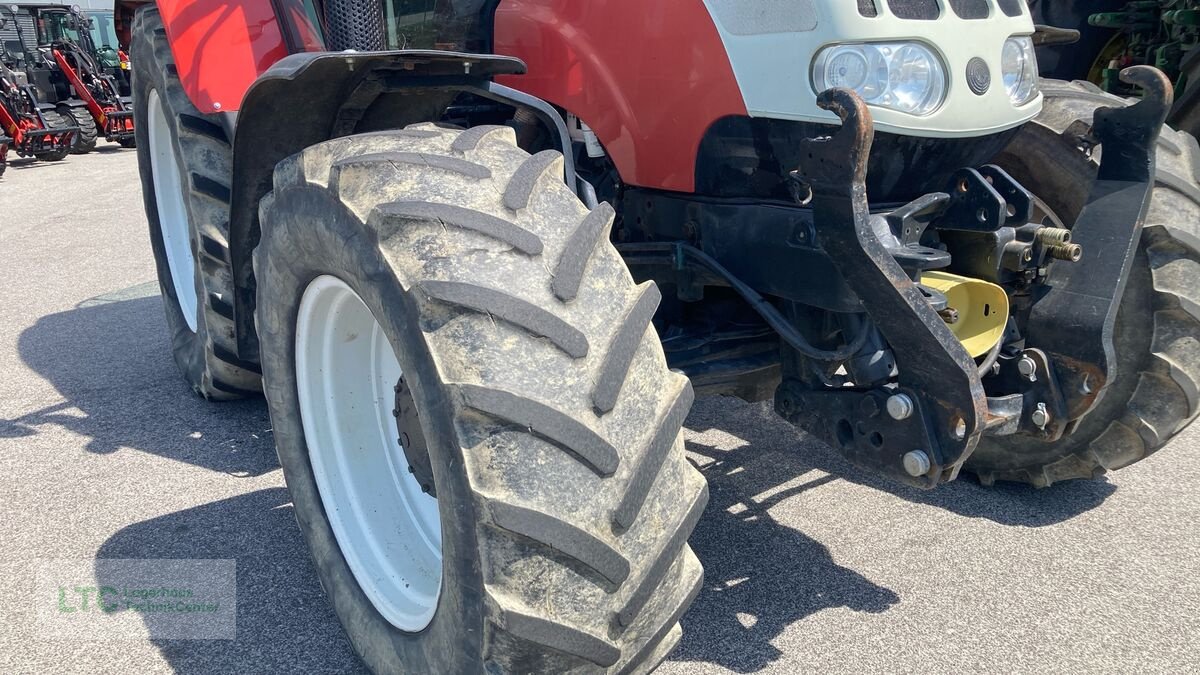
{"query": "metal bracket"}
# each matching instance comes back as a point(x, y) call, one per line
point(934, 368)
point(1073, 322)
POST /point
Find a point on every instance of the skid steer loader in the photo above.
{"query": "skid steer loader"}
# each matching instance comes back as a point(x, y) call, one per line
point(481, 255)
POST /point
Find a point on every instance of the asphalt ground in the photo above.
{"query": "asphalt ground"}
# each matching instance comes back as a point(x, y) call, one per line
point(812, 565)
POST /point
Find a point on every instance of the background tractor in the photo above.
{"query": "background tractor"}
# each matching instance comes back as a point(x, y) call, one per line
point(28, 127)
point(481, 255)
point(66, 67)
point(1116, 34)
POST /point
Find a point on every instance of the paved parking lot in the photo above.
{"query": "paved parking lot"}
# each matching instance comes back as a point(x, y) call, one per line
point(812, 566)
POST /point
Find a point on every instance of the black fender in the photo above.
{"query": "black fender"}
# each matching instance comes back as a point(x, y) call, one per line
point(72, 103)
point(310, 97)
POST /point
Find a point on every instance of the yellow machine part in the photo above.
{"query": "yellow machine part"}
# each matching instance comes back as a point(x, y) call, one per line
point(982, 309)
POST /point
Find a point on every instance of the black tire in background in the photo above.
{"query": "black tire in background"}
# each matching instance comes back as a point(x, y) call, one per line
point(207, 356)
point(84, 141)
point(1157, 333)
point(552, 421)
point(54, 120)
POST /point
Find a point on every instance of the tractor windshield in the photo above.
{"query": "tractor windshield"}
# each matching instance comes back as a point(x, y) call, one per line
point(104, 35)
point(54, 26)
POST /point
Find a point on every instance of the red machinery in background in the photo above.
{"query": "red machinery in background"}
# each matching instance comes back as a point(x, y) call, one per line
point(29, 128)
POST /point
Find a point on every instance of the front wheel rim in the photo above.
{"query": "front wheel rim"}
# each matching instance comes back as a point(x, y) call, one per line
point(388, 530)
point(172, 215)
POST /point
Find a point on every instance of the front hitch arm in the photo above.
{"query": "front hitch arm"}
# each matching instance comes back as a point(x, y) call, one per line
point(1073, 322)
point(922, 431)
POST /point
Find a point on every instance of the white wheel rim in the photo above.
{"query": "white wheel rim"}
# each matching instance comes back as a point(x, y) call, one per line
point(172, 215)
point(388, 530)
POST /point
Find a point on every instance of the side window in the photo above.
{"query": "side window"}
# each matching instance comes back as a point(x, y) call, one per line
point(410, 23)
point(451, 25)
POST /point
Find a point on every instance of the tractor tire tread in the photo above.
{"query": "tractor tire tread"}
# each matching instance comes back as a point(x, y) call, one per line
point(218, 374)
point(521, 365)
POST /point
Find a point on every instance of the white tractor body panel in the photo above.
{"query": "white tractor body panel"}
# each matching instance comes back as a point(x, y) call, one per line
point(772, 45)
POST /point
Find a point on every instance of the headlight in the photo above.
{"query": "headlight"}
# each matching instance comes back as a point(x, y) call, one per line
point(1019, 67)
point(904, 76)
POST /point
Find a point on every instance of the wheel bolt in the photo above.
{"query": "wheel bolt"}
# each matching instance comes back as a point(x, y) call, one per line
point(916, 463)
point(900, 406)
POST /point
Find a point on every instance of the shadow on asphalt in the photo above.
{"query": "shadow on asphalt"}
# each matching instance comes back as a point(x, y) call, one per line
point(110, 359)
point(761, 576)
point(1005, 503)
point(284, 622)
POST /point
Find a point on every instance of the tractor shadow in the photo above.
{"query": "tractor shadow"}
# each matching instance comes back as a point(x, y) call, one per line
point(762, 575)
point(25, 163)
point(110, 359)
point(284, 621)
point(1013, 504)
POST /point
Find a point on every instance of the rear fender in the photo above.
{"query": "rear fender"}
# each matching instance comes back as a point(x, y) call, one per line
point(222, 46)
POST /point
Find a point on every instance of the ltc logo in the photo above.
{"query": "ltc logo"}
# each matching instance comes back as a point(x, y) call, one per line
point(88, 598)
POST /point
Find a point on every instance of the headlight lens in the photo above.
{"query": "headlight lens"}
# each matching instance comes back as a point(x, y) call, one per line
point(904, 76)
point(1019, 67)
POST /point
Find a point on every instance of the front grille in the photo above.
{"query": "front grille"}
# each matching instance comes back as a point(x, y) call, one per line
point(970, 9)
point(921, 10)
point(867, 8)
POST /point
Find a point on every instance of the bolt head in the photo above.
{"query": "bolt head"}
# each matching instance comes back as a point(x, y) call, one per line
point(916, 463)
point(216, 105)
point(1027, 366)
point(900, 406)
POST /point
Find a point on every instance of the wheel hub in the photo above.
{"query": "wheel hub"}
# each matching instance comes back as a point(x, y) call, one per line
point(412, 439)
point(387, 529)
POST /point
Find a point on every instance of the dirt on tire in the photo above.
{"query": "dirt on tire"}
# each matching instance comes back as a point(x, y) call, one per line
point(552, 420)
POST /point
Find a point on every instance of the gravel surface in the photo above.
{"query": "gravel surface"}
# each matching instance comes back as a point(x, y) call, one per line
point(812, 565)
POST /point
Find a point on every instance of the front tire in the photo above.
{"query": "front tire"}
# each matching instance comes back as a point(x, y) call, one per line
point(185, 161)
point(54, 120)
point(551, 420)
point(84, 140)
point(1157, 332)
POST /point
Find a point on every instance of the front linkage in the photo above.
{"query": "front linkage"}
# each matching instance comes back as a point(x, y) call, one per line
point(922, 431)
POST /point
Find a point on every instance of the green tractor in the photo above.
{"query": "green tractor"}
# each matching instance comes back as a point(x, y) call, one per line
point(1116, 34)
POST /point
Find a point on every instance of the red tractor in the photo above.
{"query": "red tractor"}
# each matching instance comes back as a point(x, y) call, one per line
point(28, 127)
point(480, 256)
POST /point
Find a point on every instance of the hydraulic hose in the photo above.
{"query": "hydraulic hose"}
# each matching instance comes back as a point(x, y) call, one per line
point(774, 318)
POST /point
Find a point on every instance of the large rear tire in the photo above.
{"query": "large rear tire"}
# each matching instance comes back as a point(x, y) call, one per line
point(551, 421)
point(1157, 332)
point(185, 160)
